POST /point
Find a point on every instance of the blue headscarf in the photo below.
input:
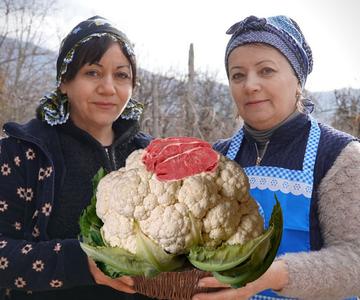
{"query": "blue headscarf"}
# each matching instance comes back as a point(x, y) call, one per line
point(279, 32)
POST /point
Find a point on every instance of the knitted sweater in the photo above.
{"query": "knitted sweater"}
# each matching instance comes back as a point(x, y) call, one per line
point(332, 269)
point(33, 172)
point(333, 272)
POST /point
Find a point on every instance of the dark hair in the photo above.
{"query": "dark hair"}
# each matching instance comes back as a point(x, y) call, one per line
point(92, 51)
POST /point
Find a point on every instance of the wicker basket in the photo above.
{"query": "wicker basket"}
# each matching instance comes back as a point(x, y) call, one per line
point(172, 285)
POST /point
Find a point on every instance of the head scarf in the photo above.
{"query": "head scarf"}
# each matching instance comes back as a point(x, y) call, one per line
point(279, 32)
point(54, 107)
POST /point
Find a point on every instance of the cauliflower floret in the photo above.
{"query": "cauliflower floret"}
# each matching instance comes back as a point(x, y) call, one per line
point(128, 190)
point(134, 160)
point(251, 224)
point(232, 180)
point(149, 204)
point(199, 194)
point(105, 192)
point(160, 193)
point(168, 226)
point(221, 221)
point(165, 191)
point(118, 231)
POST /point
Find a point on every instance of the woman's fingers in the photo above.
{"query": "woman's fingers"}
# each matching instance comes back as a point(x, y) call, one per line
point(119, 285)
point(226, 294)
point(211, 282)
point(127, 280)
point(123, 283)
point(276, 277)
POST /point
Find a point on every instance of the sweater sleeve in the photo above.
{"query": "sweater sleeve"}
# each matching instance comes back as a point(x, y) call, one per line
point(333, 272)
point(26, 261)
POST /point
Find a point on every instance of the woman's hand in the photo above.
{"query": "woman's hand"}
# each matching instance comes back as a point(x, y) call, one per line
point(123, 284)
point(276, 278)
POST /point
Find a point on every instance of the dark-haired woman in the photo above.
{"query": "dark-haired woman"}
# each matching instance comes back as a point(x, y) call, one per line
point(46, 167)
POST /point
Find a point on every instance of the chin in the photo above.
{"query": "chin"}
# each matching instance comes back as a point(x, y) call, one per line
point(261, 124)
point(106, 119)
point(104, 123)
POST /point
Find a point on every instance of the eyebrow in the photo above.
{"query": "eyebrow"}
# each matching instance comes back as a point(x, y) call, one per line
point(258, 63)
point(118, 67)
point(265, 60)
point(236, 67)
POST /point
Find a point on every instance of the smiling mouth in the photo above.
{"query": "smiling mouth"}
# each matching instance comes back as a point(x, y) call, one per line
point(104, 104)
point(255, 102)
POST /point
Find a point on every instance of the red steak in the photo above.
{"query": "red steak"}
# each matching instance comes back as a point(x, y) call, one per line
point(178, 157)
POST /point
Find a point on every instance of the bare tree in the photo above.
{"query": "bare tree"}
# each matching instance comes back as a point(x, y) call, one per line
point(347, 116)
point(25, 63)
point(190, 115)
point(192, 105)
point(215, 108)
point(160, 95)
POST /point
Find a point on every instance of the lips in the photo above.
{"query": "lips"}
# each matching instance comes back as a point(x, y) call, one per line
point(104, 104)
point(255, 102)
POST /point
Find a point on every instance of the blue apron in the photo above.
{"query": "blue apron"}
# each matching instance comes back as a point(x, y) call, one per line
point(293, 189)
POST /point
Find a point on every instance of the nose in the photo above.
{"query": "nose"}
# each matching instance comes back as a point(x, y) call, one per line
point(252, 83)
point(106, 86)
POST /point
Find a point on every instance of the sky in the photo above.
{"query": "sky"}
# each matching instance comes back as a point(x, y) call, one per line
point(162, 31)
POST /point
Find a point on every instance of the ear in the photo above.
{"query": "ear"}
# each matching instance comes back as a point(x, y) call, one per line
point(63, 87)
point(298, 91)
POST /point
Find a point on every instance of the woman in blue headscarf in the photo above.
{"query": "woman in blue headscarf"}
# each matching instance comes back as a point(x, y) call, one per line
point(47, 165)
point(312, 168)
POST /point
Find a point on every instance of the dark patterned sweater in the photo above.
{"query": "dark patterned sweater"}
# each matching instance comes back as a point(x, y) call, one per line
point(45, 182)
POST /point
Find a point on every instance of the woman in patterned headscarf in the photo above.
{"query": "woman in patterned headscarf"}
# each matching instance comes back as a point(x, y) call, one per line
point(89, 121)
point(312, 168)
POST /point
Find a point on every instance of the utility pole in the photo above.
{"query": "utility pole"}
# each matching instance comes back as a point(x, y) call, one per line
point(156, 108)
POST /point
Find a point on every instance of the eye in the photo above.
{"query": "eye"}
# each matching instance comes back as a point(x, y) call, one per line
point(122, 75)
point(92, 73)
point(237, 76)
point(267, 71)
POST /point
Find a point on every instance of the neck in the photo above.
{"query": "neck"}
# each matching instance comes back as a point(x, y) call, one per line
point(104, 135)
point(262, 136)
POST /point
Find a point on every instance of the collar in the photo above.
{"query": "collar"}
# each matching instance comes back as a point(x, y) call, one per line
point(286, 132)
point(262, 136)
point(124, 130)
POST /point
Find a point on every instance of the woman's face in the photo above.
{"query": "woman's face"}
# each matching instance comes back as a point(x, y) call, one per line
point(263, 85)
point(99, 92)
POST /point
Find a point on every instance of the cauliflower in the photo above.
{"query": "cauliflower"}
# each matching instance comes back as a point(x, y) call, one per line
point(178, 202)
point(216, 203)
